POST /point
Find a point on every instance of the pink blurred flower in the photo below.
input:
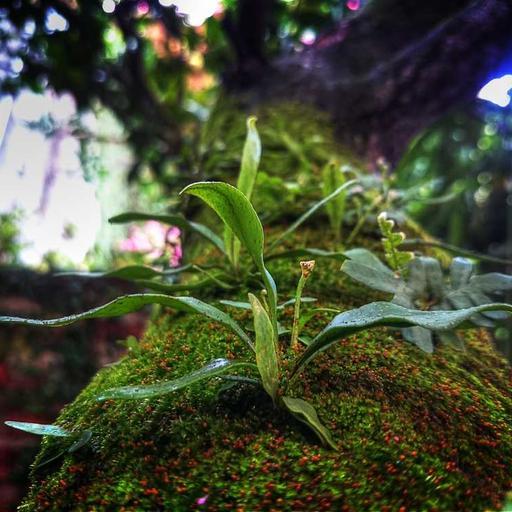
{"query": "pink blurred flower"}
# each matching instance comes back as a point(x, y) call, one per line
point(154, 239)
point(354, 5)
point(202, 500)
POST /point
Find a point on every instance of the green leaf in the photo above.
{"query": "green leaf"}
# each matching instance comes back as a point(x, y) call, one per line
point(307, 252)
point(246, 179)
point(332, 178)
point(312, 210)
point(266, 348)
point(291, 302)
point(129, 272)
point(306, 413)
point(392, 315)
point(237, 212)
point(173, 220)
point(39, 429)
point(236, 304)
point(134, 302)
point(213, 368)
point(251, 156)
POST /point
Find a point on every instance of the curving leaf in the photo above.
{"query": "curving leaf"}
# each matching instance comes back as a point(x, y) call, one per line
point(173, 220)
point(392, 315)
point(307, 252)
point(266, 348)
point(246, 179)
point(312, 210)
point(39, 429)
point(213, 368)
point(237, 212)
point(128, 303)
point(129, 272)
point(306, 413)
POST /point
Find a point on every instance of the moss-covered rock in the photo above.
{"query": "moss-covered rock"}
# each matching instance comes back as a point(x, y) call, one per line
point(415, 431)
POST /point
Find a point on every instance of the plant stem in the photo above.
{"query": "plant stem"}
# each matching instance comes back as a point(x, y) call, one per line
point(296, 313)
point(306, 268)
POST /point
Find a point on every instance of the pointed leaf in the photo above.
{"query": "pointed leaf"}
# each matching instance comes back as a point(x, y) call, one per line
point(306, 413)
point(213, 368)
point(307, 252)
point(392, 315)
point(312, 210)
point(129, 272)
point(332, 178)
point(173, 220)
point(134, 302)
point(237, 212)
point(266, 348)
point(251, 156)
point(39, 429)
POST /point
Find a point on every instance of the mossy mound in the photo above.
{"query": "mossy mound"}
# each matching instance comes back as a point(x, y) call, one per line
point(415, 432)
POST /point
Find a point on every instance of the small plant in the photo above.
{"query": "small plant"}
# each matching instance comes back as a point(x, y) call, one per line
point(238, 215)
point(425, 288)
point(391, 241)
point(418, 291)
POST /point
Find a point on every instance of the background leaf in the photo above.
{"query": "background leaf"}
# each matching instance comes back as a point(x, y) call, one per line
point(311, 211)
point(246, 179)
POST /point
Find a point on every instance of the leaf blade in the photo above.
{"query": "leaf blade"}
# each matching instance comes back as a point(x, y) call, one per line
point(39, 429)
point(129, 303)
point(307, 414)
point(212, 369)
point(388, 314)
point(266, 348)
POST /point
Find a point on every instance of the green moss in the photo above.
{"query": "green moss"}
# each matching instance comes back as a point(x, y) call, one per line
point(415, 432)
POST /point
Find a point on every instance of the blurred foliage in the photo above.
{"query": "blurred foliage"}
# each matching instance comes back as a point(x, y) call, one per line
point(461, 167)
point(10, 245)
point(143, 61)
